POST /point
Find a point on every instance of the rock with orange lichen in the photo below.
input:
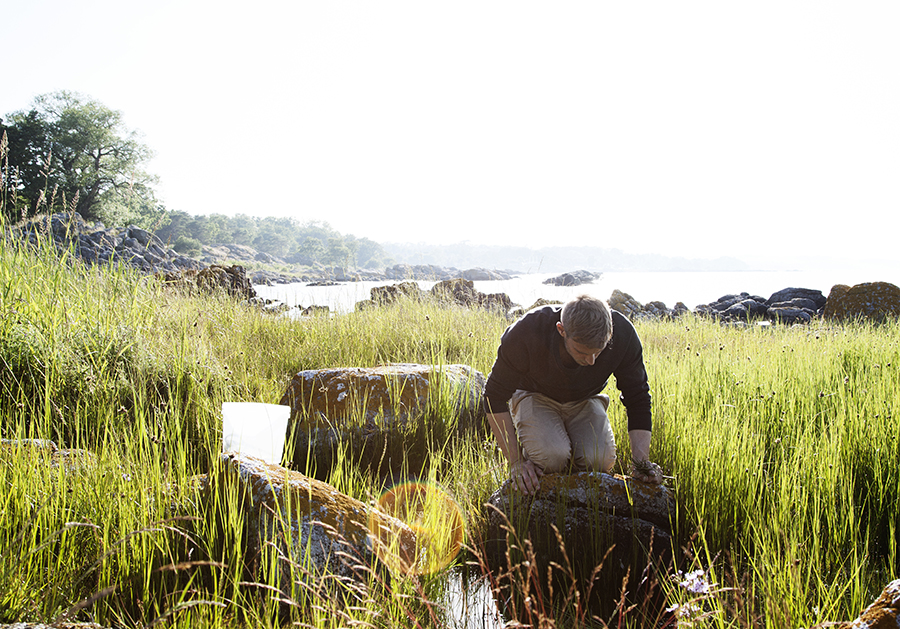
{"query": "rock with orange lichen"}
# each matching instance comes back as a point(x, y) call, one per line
point(884, 613)
point(873, 301)
point(386, 415)
point(458, 291)
point(230, 279)
point(603, 520)
point(462, 291)
point(397, 391)
point(311, 533)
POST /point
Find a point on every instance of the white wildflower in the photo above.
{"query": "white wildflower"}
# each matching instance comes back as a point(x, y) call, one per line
point(695, 582)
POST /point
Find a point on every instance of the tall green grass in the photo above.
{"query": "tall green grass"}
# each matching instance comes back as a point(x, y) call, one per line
point(115, 363)
point(780, 441)
point(785, 452)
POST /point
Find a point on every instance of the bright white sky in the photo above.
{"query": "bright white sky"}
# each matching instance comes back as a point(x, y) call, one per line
point(673, 127)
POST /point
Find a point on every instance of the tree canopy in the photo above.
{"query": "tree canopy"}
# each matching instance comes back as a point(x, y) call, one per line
point(69, 152)
point(68, 146)
point(306, 243)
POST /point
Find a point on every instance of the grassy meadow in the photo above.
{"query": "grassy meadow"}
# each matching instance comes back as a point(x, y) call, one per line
point(780, 443)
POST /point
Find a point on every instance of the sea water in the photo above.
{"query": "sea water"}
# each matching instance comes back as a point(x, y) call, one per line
point(690, 288)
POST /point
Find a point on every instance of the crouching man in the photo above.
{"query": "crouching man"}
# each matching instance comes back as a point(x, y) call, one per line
point(544, 395)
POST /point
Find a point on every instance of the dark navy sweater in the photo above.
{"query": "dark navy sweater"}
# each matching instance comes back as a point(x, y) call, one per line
point(530, 358)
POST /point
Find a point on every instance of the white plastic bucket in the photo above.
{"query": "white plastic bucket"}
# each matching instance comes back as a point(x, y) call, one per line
point(255, 429)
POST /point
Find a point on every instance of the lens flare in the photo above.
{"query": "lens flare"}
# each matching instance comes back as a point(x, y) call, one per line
point(433, 516)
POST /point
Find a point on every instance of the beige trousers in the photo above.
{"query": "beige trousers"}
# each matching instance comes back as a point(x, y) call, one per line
point(558, 437)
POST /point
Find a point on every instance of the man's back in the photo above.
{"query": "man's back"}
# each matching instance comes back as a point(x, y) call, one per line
point(531, 358)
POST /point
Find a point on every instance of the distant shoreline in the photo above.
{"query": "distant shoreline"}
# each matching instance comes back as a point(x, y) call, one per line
point(692, 288)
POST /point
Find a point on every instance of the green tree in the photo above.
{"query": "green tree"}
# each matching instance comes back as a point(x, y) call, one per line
point(218, 230)
point(370, 254)
point(188, 246)
point(310, 250)
point(337, 253)
point(319, 229)
point(275, 236)
point(27, 162)
point(80, 148)
point(174, 226)
point(202, 229)
point(243, 229)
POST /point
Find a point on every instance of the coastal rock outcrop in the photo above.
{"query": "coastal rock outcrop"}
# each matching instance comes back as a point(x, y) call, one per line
point(390, 393)
point(134, 247)
point(602, 519)
point(96, 244)
point(801, 296)
point(884, 613)
point(232, 280)
point(265, 277)
point(787, 306)
point(462, 292)
point(456, 291)
point(740, 307)
point(306, 529)
point(315, 534)
point(435, 273)
point(381, 413)
point(633, 309)
point(873, 301)
point(574, 278)
point(425, 272)
point(232, 252)
point(480, 274)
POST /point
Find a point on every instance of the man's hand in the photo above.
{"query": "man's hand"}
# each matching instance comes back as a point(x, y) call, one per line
point(647, 471)
point(523, 472)
point(642, 468)
point(526, 476)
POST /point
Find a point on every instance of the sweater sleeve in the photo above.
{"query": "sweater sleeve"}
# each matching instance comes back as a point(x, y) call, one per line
point(507, 373)
point(632, 382)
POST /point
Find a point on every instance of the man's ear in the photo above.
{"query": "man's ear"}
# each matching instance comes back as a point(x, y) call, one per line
point(560, 329)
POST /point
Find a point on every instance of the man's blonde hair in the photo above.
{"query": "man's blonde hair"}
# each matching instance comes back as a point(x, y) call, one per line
point(587, 320)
